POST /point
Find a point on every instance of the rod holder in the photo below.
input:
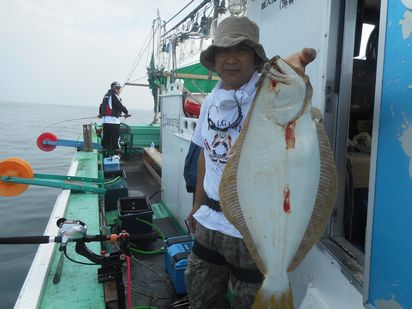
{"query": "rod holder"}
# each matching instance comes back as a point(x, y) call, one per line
point(87, 138)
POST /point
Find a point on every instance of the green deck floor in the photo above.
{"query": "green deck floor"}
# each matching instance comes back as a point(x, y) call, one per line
point(78, 286)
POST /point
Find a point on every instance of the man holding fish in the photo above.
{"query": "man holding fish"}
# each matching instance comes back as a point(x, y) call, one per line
point(222, 250)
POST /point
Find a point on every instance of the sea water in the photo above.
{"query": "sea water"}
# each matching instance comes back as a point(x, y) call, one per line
point(28, 213)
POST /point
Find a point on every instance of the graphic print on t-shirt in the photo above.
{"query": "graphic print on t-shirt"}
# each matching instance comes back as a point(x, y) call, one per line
point(220, 147)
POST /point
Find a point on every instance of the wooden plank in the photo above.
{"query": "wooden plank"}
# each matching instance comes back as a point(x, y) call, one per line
point(110, 292)
point(154, 154)
point(192, 76)
point(152, 171)
point(152, 160)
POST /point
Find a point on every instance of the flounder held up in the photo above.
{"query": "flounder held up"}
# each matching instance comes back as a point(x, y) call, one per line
point(279, 185)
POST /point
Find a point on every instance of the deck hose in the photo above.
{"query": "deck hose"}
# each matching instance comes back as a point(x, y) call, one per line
point(158, 232)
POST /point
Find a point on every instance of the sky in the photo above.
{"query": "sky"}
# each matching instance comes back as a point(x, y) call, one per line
point(69, 51)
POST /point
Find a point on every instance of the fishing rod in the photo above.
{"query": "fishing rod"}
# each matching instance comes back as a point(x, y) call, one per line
point(76, 231)
point(67, 120)
point(83, 118)
point(70, 231)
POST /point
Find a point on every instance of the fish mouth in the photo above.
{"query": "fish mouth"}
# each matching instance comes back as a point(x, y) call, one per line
point(275, 66)
point(280, 71)
point(276, 74)
point(287, 83)
point(274, 63)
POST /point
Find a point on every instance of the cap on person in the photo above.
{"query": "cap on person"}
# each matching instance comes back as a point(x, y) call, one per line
point(230, 32)
point(115, 84)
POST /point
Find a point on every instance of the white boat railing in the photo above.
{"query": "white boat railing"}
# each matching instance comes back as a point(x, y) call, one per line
point(32, 289)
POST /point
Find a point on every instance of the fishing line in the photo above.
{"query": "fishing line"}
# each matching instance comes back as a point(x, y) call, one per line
point(139, 56)
point(67, 120)
point(142, 291)
point(136, 79)
point(164, 278)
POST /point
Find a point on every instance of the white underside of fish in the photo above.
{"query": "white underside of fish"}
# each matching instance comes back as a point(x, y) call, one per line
point(279, 184)
point(267, 170)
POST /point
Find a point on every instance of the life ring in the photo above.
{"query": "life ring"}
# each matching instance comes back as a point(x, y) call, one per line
point(192, 108)
point(14, 167)
point(46, 136)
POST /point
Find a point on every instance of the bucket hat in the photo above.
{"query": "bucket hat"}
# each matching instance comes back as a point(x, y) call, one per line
point(232, 31)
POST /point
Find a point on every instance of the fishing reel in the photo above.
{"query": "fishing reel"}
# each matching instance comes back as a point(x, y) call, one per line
point(70, 230)
point(76, 231)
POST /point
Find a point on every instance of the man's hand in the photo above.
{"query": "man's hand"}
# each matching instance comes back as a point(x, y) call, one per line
point(302, 59)
point(191, 221)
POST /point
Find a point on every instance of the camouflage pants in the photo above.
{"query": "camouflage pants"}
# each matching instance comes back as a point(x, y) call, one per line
point(207, 283)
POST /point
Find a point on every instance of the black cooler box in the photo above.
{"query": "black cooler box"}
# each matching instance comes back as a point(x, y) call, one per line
point(133, 208)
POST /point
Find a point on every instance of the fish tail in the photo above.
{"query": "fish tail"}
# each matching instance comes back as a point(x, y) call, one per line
point(268, 299)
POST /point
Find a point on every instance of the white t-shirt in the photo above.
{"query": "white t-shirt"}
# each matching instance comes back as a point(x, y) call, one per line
point(220, 109)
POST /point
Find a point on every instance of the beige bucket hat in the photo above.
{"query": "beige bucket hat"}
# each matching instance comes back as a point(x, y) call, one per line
point(232, 31)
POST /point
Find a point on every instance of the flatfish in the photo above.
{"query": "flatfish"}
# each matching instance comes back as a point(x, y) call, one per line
point(279, 184)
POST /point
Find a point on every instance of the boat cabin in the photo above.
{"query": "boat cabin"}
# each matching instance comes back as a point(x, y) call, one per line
point(362, 88)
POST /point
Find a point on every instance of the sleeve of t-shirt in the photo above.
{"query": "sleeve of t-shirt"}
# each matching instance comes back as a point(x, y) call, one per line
point(197, 137)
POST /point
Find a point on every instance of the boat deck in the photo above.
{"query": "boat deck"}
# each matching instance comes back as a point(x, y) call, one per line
point(78, 279)
point(150, 284)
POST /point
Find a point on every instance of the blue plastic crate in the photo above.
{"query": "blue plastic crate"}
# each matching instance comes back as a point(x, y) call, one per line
point(177, 251)
point(111, 164)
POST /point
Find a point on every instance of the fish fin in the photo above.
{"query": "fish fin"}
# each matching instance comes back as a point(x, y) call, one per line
point(325, 198)
point(264, 300)
point(228, 194)
point(316, 114)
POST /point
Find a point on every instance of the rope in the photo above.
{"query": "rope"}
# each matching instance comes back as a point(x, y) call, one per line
point(112, 181)
point(129, 296)
point(179, 11)
point(141, 53)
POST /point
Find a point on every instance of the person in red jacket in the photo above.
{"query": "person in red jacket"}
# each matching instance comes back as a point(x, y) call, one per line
point(110, 110)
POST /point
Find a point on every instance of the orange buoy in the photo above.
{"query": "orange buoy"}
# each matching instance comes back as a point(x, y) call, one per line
point(17, 168)
point(46, 136)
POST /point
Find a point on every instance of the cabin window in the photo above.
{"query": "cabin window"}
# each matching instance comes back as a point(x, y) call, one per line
point(360, 138)
point(348, 226)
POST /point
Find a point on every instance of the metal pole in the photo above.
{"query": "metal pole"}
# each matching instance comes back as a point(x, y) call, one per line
point(87, 137)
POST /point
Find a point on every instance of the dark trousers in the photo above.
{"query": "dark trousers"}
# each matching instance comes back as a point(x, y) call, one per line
point(111, 137)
